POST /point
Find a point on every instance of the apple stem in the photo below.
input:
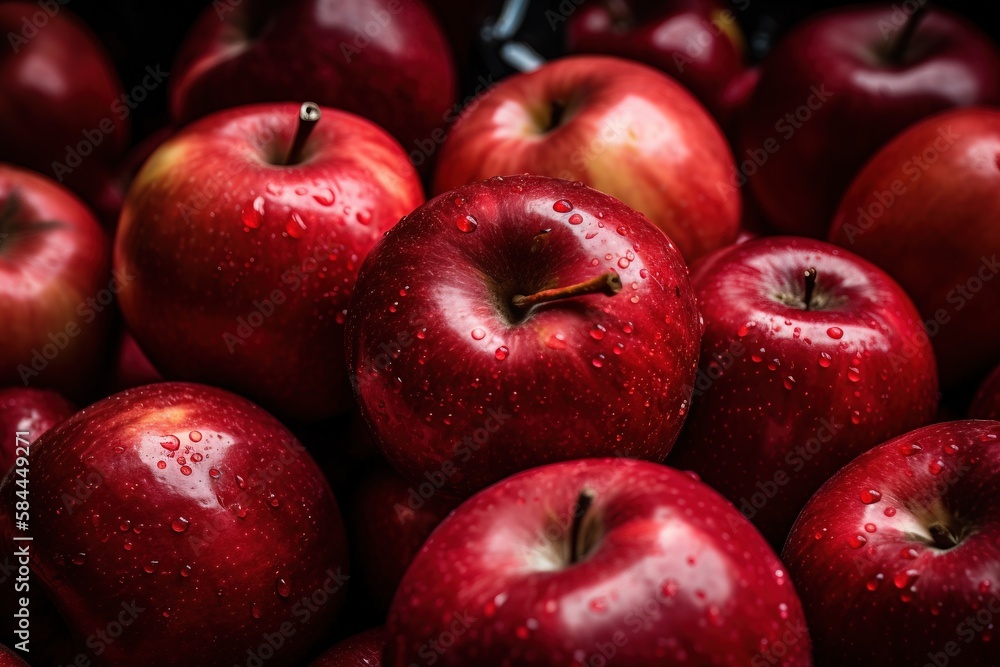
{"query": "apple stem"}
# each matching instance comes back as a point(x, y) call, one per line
point(583, 503)
point(309, 114)
point(810, 283)
point(607, 283)
point(943, 537)
point(906, 36)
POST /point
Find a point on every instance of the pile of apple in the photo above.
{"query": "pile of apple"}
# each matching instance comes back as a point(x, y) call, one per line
point(643, 356)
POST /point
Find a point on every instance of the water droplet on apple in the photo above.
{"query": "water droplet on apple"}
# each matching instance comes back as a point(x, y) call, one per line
point(253, 213)
point(195, 436)
point(180, 524)
point(161, 465)
point(501, 353)
point(562, 206)
point(255, 610)
point(363, 216)
point(873, 584)
point(170, 442)
point(556, 342)
point(853, 375)
point(870, 527)
point(79, 559)
point(478, 334)
point(870, 496)
point(825, 360)
point(857, 541)
point(197, 458)
point(283, 587)
point(325, 198)
point(905, 579)
point(214, 474)
point(890, 511)
point(936, 467)
point(466, 223)
point(150, 567)
point(835, 333)
point(295, 226)
point(185, 470)
point(575, 219)
point(186, 571)
point(598, 361)
point(598, 332)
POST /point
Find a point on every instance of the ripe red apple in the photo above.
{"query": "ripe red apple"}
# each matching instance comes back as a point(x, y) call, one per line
point(172, 508)
point(597, 562)
point(25, 414)
point(56, 287)
point(390, 520)
point(928, 199)
point(520, 321)
point(361, 650)
point(63, 112)
point(620, 127)
point(697, 42)
point(897, 558)
point(9, 659)
point(839, 86)
point(244, 249)
point(386, 60)
point(986, 404)
point(788, 393)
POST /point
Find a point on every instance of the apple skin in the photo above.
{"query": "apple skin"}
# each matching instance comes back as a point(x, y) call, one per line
point(205, 542)
point(627, 130)
point(54, 263)
point(986, 404)
point(781, 391)
point(361, 650)
point(459, 393)
point(838, 62)
point(667, 572)
point(697, 42)
point(58, 85)
point(201, 268)
point(881, 603)
point(10, 659)
point(29, 411)
point(258, 51)
point(390, 520)
point(957, 191)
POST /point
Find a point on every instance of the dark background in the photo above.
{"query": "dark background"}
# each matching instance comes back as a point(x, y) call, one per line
point(138, 34)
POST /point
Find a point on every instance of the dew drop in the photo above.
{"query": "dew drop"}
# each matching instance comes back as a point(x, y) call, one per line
point(870, 496)
point(180, 524)
point(185, 470)
point(253, 213)
point(161, 464)
point(825, 360)
point(478, 334)
point(170, 442)
point(870, 527)
point(562, 206)
point(556, 342)
point(890, 511)
point(598, 332)
point(150, 567)
point(873, 584)
point(295, 226)
point(935, 467)
point(466, 223)
point(195, 436)
point(326, 198)
point(501, 353)
point(255, 610)
point(214, 474)
point(283, 587)
point(598, 361)
point(79, 559)
point(857, 541)
point(835, 333)
point(575, 219)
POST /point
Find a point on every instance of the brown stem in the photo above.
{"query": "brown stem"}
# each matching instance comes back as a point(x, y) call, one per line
point(309, 115)
point(577, 548)
point(906, 36)
point(607, 283)
point(810, 281)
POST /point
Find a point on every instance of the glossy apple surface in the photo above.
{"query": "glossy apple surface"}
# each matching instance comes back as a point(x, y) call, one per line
point(928, 199)
point(244, 265)
point(897, 558)
point(461, 387)
point(986, 404)
point(173, 508)
point(386, 60)
point(56, 287)
point(27, 414)
point(361, 650)
point(62, 112)
point(697, 42)
point(620, 127)
point(838, 87)
point(603, 561)
point(785, 396)
point(390, 520)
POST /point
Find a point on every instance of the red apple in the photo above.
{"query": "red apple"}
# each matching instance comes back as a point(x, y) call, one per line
point(521, 321)
point(362, 650)
point(839, 86)
point(597, 562)
point(697, 42)
point(390, 520)
point(386, 60)
point(897, 558)
point(788, 393)
point(620, 127)
point(63, 111)
point(25, 414)
point(986, 405)
point(244, 249)
point(928, 199)
point(172, 508)
point(56, 287)
point(9, 659)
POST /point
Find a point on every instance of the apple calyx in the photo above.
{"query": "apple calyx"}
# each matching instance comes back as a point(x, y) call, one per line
point(583, 531)
point(899, 47)
point(944, 537)
point(309, 115)
point(608, 283)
